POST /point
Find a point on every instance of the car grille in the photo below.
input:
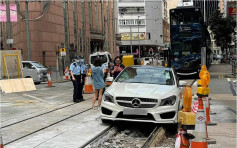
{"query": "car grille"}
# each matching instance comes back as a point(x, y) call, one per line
point(145, 102)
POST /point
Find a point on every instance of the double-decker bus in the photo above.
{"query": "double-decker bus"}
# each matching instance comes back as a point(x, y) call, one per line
point(188, 35)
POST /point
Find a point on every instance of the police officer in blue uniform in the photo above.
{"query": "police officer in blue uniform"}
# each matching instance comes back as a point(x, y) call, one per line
point(83, 76)
point(75, 72)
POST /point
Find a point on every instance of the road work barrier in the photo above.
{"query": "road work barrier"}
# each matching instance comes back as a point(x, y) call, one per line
point(203, 112)
point(66, 73)
point(12, 79)
point(182, 139)
point(17, 85)
point(186, 120)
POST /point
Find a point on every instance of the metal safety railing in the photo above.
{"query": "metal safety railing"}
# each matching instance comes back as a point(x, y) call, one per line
point(234, 63)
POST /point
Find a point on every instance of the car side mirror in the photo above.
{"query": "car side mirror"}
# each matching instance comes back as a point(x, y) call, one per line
point(182, 84)
point(32, 67)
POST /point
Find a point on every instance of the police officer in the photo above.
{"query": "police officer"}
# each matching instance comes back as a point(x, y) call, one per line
point(82, 77)
point(74, 71)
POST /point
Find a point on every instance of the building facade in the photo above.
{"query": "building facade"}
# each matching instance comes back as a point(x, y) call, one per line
point(210, 7)
point(141, 25)
point(82, 27)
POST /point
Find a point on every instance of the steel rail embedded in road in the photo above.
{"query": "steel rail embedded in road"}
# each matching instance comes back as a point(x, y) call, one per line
point(39, 115)
point(47, 126)
point(108, 134)
point(99, 136)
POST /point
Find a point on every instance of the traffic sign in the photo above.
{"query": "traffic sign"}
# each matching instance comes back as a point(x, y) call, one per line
point(9, 41)
point(62, 51)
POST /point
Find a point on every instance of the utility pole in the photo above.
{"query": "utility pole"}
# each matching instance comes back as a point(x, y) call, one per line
point(9, 26)
point(108, 28)
point(27, 31)
point(102, 19)
point(139, 39)
point(131, 38)
point(65, 8)
point(203, 50)
point(75, 25)
point(83, 28)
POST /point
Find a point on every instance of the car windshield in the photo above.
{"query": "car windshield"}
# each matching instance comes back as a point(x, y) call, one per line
point(37, 65)
point(102, 57)
point(161, 76)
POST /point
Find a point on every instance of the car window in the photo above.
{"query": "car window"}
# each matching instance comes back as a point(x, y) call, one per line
point(26, 65)
point(110, 59)
point(146, 59)
point(38, 65)
point(160, 76)
point(102, 57)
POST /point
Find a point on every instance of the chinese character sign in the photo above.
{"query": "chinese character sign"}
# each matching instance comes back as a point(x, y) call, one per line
point(13, 13)
point(3, 14)
point(232, 11)
point(135, 36)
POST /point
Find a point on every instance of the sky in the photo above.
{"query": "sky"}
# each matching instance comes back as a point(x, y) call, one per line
point(171, 4)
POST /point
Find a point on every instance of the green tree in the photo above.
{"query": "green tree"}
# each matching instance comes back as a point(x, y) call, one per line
point(222, 28)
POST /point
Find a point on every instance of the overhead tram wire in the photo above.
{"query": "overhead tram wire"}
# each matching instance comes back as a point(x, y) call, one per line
point(45, 8)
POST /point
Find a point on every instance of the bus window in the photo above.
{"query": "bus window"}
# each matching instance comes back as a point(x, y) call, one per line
point(187, 19)
point(174, 20)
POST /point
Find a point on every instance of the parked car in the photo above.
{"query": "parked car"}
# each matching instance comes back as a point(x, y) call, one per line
point(219, 56)
point(143, 94)
point(34, 70)
point(146, 60)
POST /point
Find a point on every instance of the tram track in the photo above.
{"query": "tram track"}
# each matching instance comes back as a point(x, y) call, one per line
point(14, 123)
point(44, 127)
point(114, 136)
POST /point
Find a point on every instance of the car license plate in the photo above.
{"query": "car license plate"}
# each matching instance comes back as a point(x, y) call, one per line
point(134, 111)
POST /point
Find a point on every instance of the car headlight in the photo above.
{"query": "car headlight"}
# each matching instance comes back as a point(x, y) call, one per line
point(170, 101)
point(108, 97)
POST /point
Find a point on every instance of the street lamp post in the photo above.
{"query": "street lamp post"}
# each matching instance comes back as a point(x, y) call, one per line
point(131, 38)
point(203, 50)
point(139, 38)
point(27, 32)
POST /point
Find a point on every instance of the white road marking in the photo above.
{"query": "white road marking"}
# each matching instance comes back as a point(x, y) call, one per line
point(36, 98)
point(55, 96)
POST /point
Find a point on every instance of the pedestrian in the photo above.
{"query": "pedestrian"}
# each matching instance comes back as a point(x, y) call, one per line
point(154, 61)
point(98, 81)
point(118, 67)
point(74, 71)
point(83, 76)
point(105, 68)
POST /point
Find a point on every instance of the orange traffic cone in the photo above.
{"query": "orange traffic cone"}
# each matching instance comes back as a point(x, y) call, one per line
point(50, 83)
point(200, 134)
point(1, 143)
point(207, 115)
point(88, 85)
point(207, 106)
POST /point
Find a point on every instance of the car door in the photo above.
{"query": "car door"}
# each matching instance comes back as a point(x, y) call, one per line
point(29, 71)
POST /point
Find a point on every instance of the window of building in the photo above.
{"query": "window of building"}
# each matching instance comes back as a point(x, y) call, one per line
point(132, 9)
point(148, 35)
point(132, 22)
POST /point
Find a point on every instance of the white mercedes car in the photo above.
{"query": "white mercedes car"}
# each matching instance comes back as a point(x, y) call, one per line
point(143, 94)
